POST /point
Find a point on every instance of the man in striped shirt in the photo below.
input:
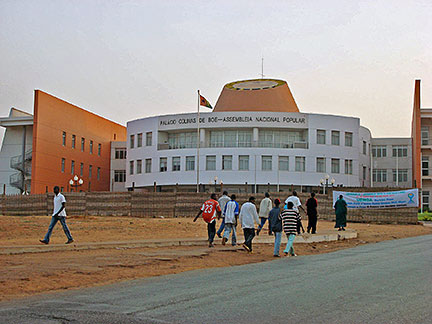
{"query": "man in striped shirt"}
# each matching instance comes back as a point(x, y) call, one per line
point(290, 219)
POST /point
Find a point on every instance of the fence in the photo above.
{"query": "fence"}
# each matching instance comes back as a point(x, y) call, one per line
point(180, 204)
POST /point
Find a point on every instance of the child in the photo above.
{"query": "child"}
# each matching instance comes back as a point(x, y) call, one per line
point(275, 225)
point(290, 219)
point(209, 210)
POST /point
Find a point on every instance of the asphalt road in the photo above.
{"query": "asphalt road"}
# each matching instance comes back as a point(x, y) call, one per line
point(388, 282)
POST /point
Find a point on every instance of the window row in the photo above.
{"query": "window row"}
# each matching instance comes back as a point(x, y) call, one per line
point(136, 167)
point(83, 143)
point(139, 140)
point(335, 137)
point(380, 175)
point(397, 151)
point(74, 168)
point(120, 153)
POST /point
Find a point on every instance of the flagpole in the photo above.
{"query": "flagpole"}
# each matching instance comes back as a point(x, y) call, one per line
point(198, 144)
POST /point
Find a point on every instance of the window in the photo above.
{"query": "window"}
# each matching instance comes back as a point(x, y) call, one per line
point(82, 144)
point(425, 165)
point(320, 164)
point(190, 163)
point(401, 175)
point(283, 163)
point(211, 162)
point(379, 175)
point(91, 147)
point(61, 189)
point(98, 173)
point(100, 148)
point(335, 137)
point(181, 140)
point(379, 151)
point(348, 167)
point(132, 141)
point(231, 138)
point(425, 200)
point(90, 171)
point(266, 162)
point(148, 165)
point(364, 173)
point(176, 163)
point(400, 150)
point(300, 164)
point(119, 176)
point(244, 162)
point(73, 141)
point(321, 136)
point(120, 153)
point(139, 140)
point(335, 166)
point(425, 135)
point(148, 138)
point(82, 169)
point(131, 167)
point(348, 139)
point(139, 167)
point(63, 162)
point(283, 138)
point(163, 164)
point(364, 147)
point(64, 139)
point(72, 167)
point(226, 162)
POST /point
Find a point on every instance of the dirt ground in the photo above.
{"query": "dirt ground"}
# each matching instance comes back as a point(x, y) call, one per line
point(32, 273)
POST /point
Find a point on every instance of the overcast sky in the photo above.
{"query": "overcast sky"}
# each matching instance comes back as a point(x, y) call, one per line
point(131, 59)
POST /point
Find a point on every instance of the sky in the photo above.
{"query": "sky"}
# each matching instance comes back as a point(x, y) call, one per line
point(132, 59)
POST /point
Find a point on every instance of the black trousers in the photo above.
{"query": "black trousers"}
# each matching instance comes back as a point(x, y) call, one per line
point(211, 229)
point(249, 234)
point(312, 223)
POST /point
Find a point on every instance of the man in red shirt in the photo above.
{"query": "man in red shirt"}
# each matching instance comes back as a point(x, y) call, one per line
point(210, 211)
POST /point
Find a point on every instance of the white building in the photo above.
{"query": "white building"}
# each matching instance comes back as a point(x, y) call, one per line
point(254, 137)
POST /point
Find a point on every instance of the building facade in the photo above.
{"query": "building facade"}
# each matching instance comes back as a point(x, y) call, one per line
point(63, 140)
point(118, 166)
point(242, 147)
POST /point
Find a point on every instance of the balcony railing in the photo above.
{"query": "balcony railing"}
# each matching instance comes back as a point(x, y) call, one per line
point(295, 145)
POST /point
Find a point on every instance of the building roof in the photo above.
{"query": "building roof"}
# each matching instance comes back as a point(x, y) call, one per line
point(16, 118)
point(256, 95)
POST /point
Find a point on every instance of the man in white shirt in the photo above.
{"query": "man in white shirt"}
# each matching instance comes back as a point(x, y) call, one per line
point(248, 218)
point(59, 214)
point(296, 202)
point(222, 202)
point(230, 212)
point(265, 206)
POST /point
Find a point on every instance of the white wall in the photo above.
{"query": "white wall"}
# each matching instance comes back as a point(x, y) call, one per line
point(274, 121)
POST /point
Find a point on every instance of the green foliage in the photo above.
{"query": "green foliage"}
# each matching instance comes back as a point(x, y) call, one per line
point(426, 216)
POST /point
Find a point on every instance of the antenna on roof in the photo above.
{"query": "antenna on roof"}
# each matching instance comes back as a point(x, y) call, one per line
point(262, 67)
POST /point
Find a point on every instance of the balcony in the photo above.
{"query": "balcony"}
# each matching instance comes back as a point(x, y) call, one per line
point(294, 145)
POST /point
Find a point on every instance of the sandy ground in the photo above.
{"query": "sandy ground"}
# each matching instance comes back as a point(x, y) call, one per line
point(32, 273)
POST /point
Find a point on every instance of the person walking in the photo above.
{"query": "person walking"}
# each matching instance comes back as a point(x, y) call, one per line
point(248, 218)
point(290, 217)
point(341, 213)
point(296, 206)
point(210, 210)
point(312, 213)
point(275, 225)
point(222, 202)
point(231, 212)
point(264, 210)
point(59, 214)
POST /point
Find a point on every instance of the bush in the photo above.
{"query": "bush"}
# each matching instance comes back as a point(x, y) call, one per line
point(425, 216)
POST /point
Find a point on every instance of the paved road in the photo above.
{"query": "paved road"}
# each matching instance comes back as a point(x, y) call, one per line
point(388, 282)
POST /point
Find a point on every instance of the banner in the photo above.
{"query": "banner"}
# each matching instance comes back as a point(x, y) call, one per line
point(388, 199)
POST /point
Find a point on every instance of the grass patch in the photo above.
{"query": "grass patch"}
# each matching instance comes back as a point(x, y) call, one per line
point(426, 216)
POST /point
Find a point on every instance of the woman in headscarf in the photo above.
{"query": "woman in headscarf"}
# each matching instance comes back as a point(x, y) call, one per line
point(341, 212)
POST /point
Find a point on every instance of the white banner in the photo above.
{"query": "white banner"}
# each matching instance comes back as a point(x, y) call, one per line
point(388, 199)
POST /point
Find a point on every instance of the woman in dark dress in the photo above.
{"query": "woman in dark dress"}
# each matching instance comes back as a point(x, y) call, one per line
point(311, 207)
point(341, 213)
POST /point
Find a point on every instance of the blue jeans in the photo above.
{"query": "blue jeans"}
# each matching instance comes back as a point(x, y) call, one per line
point(227, 232)
point(289, 247)
point(263, 221)
point(54, 221)
point(277, 243)
point(221, 228)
